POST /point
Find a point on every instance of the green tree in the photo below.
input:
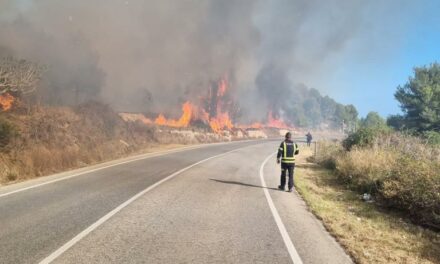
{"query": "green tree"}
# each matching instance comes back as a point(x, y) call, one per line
point(396, 121)
point(419, 99)
point(373, 120)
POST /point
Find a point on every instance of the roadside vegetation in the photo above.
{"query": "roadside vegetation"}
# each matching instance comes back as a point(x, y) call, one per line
point(398, 171)
point(42, 140)
point(378, 191)
point(368, 232)
point(39, 139)
point(398, 161)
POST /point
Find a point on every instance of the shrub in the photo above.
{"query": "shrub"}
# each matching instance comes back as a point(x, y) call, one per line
point(99, 115)
point(401, 171)
point(414, 186)
point(363, 137)
point(7, 132)
point(364, 169)
point(326, 154)
point(432, 137)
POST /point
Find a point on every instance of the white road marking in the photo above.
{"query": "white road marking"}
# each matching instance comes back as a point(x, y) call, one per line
point(133, 159)
point(145, 156)
point(102, 220)
point(287, 241)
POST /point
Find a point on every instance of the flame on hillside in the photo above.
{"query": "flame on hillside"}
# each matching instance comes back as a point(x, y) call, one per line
point(214, 115)
point(276, 123)
point(6, 101)
point(213, 110)
point(183, 121)
point(271, 122)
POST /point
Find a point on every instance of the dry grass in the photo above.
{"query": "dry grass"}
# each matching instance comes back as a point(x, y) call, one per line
point(369, 234)
point(54, 139)
point(401, 172)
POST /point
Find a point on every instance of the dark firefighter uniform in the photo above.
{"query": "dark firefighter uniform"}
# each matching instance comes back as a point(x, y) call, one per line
point(286, 155)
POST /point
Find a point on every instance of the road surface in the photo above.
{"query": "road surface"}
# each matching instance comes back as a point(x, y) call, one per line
point(200, 205)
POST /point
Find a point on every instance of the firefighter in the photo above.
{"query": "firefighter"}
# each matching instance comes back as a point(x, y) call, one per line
point(286, 156)
point(309, 139)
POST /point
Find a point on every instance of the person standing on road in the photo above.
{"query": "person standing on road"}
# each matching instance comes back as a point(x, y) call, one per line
point(286, 156)
point(309, 139)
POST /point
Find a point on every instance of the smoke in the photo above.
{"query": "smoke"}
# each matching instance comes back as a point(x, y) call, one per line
point(153, 55)
point(136, 55)
point(297, 37)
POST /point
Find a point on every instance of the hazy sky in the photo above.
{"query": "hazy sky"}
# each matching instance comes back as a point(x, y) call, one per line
point(382, 55)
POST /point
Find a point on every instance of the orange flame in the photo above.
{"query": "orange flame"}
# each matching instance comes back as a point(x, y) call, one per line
point(222, 87)
point(276, 123)
point(255, 125)
point(183, 121)
point(221, 122)
point(6, 101)
point(217, 116)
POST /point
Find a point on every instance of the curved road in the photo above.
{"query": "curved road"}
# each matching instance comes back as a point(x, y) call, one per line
point(205, 204)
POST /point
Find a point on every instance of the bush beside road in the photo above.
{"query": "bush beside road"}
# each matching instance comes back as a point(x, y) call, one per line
point(401, 172)
point(367, 231)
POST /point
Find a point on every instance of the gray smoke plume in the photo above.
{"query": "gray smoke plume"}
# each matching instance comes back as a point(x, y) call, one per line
point(136, 55)
point(153, 55)
point(297, 36)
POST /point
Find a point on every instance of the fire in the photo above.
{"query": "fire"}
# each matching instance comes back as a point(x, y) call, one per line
point(276, 123)
point(255, 125)
point(215, 116)
point(222, 87)
point(183, 121)
point(214, 110)
point(221, 122)
point(6, 101)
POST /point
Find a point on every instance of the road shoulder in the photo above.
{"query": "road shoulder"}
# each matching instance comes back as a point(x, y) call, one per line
point(313, 243)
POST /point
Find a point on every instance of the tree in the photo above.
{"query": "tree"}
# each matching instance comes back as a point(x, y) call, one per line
point(373, 120)
point(328, 108)
point(312, 111)
point(396, 121)
point(19, 76)
point(419, 99)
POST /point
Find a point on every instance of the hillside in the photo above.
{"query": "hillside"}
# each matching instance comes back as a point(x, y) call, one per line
point(46, 139)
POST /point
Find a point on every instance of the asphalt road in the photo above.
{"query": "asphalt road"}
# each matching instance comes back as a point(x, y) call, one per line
point(203, 205)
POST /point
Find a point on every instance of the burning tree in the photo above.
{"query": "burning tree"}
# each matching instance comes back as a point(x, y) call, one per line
point(17, 78)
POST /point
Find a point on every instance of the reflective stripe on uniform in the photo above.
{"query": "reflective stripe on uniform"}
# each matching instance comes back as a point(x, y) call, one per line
point(285, 150)
point(286, 159)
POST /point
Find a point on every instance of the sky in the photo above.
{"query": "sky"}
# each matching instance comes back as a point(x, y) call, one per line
point(368, 78)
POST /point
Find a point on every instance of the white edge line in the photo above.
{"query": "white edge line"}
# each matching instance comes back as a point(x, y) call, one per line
point(102, 220)
point(296, 259)
point(133, 159)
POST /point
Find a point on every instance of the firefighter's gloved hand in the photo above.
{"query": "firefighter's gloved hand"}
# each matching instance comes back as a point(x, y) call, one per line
point(278, 161)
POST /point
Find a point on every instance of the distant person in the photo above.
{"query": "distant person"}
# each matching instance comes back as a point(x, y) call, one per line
point(286, 156)
point(309, 139)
